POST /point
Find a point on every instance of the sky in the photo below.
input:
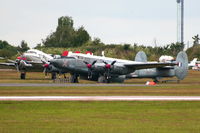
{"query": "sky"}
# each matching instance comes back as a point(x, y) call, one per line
point(113, 21)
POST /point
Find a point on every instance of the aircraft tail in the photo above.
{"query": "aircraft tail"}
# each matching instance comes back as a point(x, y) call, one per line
point(141, 57)
point(182, 69)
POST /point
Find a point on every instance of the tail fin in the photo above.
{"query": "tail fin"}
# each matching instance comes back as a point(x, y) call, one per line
point(141, 57)
point(182, 69)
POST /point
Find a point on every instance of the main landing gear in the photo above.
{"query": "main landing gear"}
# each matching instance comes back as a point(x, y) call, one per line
point(103, 79)
point(23, 75)
point(74, 78)
point(53, 75)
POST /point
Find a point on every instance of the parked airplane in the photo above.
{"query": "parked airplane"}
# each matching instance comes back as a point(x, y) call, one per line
point(180, 71)
point(32, 60)
point(194, 64)
point(104, 69)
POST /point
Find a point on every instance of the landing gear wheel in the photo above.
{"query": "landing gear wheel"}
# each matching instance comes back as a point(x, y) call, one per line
point(74, 78)
point(53, 75)
point(23, 75)
point(102, 79)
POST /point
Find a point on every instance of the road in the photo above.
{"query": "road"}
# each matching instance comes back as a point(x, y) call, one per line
point(100, 98)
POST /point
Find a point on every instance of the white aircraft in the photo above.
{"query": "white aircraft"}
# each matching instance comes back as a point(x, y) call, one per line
point(194, 64)
point(34, 55)
point(31, 60)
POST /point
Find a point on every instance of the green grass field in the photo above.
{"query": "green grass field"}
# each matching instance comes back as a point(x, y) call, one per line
point(38, 77)
point(171, 90)
point(100, 117)
point(188, 87)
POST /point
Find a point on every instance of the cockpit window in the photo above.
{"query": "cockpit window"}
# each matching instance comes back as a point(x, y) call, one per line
point(68, 57)
point(31, 52)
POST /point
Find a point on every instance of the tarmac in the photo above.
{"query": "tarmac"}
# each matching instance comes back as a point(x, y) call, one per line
point(66, 84)
point(100, 98)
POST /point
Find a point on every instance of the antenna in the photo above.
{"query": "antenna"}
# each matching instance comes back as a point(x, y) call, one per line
point(180, 21)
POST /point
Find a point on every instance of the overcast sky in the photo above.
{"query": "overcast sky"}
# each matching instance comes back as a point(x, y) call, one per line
point(113, 21)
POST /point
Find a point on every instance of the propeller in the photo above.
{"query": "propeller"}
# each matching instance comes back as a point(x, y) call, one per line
point(47, 68)
point(89, 66)
point(108, 68)
point(46, 65)
point(16, 62)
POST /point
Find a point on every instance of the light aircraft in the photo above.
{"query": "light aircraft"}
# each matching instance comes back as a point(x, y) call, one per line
point(180, 71)
point(105, 69)
point(31, 60)
point(194, 64)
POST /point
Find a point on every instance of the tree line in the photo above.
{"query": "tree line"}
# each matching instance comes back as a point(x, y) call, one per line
point(7, 50)
point(67, 37)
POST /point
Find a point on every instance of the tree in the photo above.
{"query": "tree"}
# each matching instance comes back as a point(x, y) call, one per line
point(23, 46)
point(196, 40)
point(81, 36)
point(175, 48)
point(38, 46)
point(7, 50)
point(3, 44)
point(126, 46)
point(65, 35)
point(96, 41)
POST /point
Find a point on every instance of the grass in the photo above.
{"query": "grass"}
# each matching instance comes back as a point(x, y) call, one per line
point(38, 77)
point(100, 117)
point(188, 87)
point(172, 90)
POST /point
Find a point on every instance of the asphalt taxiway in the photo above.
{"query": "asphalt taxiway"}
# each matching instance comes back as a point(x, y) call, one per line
point(100, 98)
point(60, 85)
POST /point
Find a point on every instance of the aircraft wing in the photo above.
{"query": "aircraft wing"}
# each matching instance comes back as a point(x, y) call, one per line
point(146, 65)
point(7, 64)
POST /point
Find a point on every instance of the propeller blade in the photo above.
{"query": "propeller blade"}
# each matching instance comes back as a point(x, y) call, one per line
point(94, 62)
point(108, 68)
point(113, 62)
point(89, 66)
point(85, 62)
point(44, 70)
point(17, 67)
point(105, 62)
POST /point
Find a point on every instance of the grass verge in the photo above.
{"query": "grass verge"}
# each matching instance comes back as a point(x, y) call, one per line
point(167, 90)
point(100, 117)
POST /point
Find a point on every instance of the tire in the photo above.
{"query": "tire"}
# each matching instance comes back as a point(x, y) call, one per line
point(23, 76)
point(74, 78)
point(102, 79)
point(53, 76)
